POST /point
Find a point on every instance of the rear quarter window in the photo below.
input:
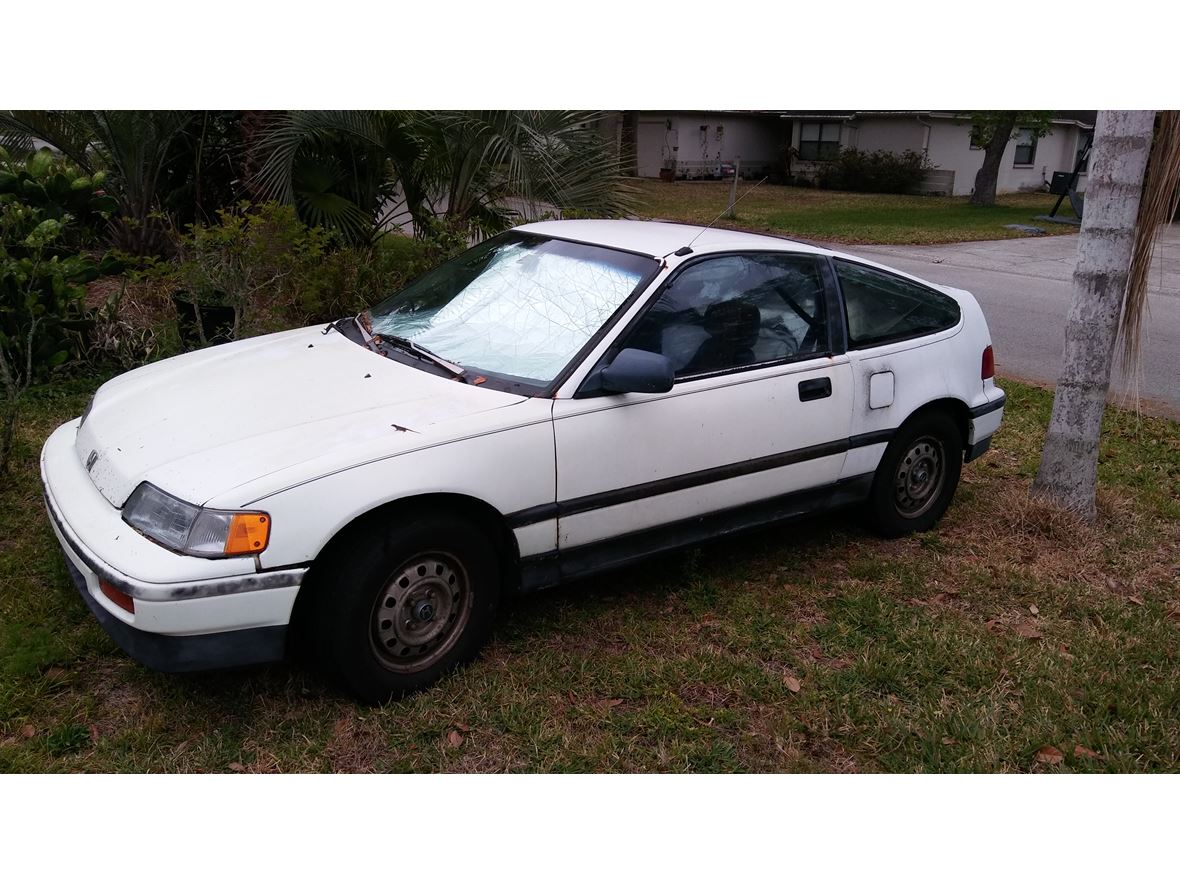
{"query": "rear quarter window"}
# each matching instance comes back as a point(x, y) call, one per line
point(881, 308)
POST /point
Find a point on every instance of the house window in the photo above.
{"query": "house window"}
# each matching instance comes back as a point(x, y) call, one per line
point(1026, 147)
point(819, 141)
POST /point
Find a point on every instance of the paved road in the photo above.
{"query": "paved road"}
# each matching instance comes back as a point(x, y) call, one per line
point(1024, 286)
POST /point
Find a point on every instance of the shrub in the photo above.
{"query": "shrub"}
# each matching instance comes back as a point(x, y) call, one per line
point(276, 272)
point(48, 210)
point(352, 278)
point(245, 260)
point(879, 172)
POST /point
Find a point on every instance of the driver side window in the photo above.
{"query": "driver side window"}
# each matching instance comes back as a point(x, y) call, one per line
point(737, 311)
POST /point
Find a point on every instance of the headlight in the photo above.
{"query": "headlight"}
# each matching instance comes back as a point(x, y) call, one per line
point(186, 528)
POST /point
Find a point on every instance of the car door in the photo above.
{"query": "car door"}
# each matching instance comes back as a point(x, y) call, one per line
point(759, 410)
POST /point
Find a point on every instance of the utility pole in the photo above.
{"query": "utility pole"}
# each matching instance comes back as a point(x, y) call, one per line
point(731, 212)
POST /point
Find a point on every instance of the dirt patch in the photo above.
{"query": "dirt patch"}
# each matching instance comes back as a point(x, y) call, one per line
point(356, 745)
point(119, 703)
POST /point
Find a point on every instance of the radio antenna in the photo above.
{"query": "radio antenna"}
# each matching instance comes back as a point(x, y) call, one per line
point(687, 250)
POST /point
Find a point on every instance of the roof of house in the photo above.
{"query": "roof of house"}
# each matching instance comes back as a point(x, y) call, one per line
point(1081, 118)
point(1084, 119)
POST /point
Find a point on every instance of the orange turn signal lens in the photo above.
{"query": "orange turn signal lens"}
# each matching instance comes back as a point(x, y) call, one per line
point(248, 533)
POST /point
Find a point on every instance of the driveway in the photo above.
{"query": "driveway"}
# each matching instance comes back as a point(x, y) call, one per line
point(1025, 285)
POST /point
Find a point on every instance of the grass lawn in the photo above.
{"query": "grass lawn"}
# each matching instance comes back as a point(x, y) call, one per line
point(810, 647)
point(836, 216)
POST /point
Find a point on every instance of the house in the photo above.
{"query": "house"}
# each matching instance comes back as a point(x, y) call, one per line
point(792, 145)
point(699, 144)
point(945, 138)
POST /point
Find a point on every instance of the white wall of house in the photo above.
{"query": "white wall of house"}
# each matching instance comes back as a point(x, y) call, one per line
point(950, 148)
point(700, 142)
point(883, 134)
point(947, 143)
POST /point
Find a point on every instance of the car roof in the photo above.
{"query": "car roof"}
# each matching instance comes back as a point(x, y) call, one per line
point(660, 238)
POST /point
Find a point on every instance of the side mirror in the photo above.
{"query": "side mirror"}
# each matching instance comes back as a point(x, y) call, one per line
point(637, 371)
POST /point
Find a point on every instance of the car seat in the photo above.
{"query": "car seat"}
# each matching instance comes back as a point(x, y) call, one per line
point(733, 328)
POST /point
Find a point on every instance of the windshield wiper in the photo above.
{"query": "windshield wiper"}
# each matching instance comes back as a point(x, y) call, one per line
point(405, 344)
point(363, 325)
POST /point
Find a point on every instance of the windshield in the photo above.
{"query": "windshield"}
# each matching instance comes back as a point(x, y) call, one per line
point(518, 305)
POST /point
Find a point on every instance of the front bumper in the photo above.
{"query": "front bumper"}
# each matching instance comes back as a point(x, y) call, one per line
point(189, 614)
point(185, 654)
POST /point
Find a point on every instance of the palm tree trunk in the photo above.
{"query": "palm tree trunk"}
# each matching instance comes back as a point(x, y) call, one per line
point(1069, 460)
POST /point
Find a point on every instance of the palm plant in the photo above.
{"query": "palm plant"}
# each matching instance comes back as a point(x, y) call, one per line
point(166, 168)
point(340, 169)
point(505, 166)
point(357, 171)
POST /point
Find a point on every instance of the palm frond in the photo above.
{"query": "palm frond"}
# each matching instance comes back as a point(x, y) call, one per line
point(69, 132)
point(490, 168)
point(367, 150)
point(538, 160)
point(1157, 207)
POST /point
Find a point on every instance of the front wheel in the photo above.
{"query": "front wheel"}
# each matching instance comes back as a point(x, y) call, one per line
point(917, 476)
point(398, 607)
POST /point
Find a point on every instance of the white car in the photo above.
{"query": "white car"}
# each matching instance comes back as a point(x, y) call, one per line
point(562, 399)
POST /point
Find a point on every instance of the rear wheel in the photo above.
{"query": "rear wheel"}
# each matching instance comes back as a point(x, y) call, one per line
point(398, 607)
point(917, 476)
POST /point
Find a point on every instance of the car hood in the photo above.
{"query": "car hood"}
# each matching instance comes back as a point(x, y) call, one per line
point(203, 423)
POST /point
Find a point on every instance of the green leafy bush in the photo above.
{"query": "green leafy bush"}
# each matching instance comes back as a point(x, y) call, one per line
point(878, 172)
point(49, 211)
point(250, 260)
point(277, 272)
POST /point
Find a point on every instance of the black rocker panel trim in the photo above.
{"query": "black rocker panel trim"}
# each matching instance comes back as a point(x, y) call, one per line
point(550, 569)
point(611, 497)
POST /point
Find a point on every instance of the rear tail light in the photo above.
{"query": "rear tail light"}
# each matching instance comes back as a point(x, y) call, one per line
point(988, 369)
point(117, 596)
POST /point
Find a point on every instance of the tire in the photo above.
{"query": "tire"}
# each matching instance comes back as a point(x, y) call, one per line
point(917, 476)
point(397, 607)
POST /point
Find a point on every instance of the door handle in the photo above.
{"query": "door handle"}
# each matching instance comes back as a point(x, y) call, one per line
point(815, 388)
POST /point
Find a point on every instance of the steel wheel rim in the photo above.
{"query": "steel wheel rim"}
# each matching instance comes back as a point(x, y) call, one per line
point(920, 476)
point(421, 612)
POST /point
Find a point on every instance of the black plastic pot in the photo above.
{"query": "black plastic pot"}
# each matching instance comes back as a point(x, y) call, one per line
point(193, 319)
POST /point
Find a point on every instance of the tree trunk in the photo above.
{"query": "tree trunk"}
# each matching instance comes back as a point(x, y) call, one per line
point(1068, 473)
point(993, 152)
